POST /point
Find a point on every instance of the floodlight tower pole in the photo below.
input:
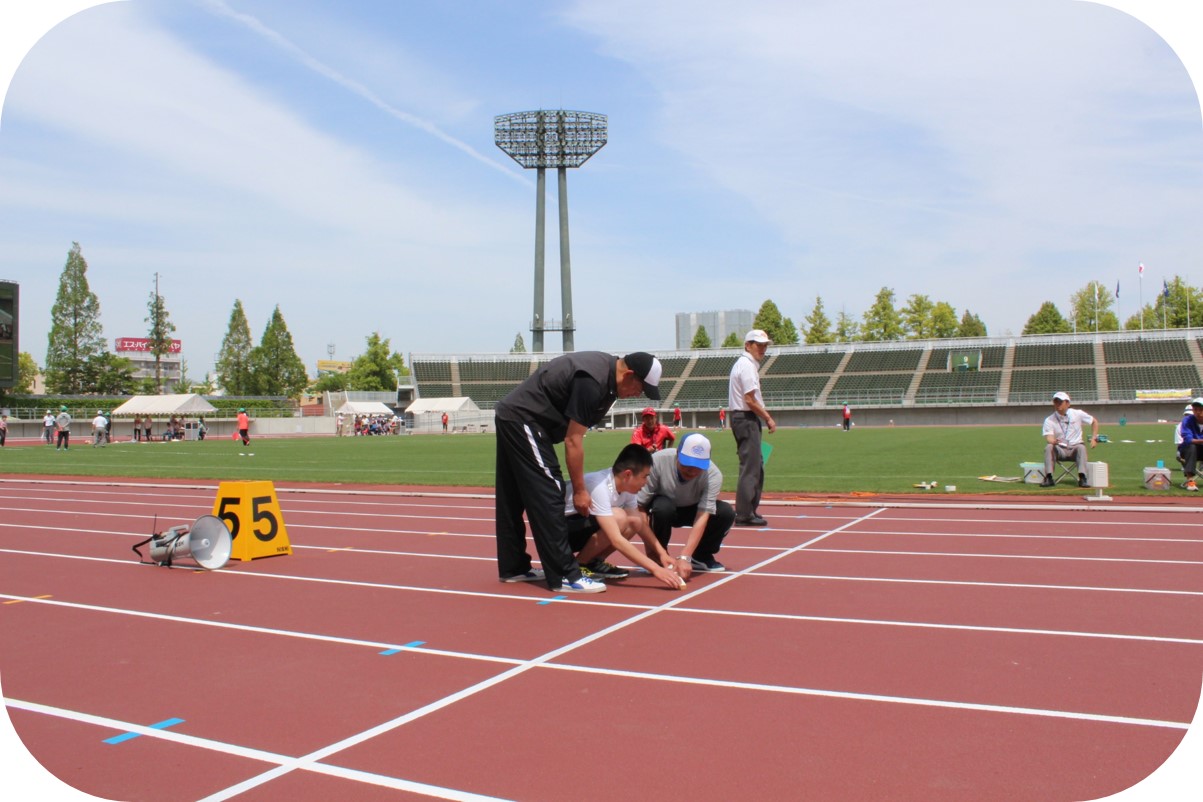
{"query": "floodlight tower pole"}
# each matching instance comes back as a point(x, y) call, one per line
point(565, 265)
point(542, 139)
point(540, 215)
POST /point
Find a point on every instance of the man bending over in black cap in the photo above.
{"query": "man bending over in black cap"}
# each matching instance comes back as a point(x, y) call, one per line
point(557, 403)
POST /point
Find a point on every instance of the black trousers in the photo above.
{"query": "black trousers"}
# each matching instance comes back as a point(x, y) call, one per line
point(664, 514)
point(529, 481)
point(1190, 457)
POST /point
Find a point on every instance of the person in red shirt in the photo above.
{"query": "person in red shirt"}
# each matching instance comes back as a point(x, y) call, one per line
point(445, 419)
point(652, 434)
point(244, 426)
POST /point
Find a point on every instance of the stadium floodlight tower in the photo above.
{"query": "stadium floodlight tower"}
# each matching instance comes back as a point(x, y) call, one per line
point(538, 140)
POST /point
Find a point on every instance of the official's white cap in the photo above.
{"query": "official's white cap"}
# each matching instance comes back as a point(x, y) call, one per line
point(694, 451)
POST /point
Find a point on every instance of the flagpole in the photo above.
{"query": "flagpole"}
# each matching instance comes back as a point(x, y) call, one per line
point(1096, 307)
point(1141, 272)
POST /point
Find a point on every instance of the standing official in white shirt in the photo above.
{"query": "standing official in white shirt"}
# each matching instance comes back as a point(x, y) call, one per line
point(748, 415)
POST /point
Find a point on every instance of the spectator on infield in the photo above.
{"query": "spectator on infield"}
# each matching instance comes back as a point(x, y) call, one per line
point(100, 427)
point(748, 415)
point(682, 490)
point(62, 425)
point(614, 519)
point(1191, 447)
point(558, 403)
point(1063, 438)
point(244, 426)
point(651, 433)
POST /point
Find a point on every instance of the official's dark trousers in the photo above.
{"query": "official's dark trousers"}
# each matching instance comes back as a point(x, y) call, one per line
point(664, 514)
point(746, 428)
point(529, 480)
point(1190, 457)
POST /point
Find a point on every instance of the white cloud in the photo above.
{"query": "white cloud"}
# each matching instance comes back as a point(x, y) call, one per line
point(940, 139)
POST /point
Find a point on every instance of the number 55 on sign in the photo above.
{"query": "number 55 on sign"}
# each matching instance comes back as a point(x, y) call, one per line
point(251, 511)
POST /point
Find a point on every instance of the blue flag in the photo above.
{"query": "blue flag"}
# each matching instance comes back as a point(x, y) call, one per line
point(1166, 288)
point(1117, 289)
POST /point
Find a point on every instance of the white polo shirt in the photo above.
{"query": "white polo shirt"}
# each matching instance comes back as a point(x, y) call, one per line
point(745, 378)
point(603, 495)
point(1068, 427)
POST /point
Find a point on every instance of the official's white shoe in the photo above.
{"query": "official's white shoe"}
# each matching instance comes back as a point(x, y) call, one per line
point(582, 585)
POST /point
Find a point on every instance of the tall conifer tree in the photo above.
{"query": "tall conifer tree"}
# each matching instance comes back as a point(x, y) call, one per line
point(234, 359)
point(75, 343)
point(275, 367)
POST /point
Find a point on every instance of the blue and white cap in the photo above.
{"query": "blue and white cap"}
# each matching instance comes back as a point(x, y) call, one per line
point(694, 451)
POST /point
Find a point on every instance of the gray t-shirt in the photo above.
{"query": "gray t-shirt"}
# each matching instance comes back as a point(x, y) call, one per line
point(664, 480)
point(63, 422)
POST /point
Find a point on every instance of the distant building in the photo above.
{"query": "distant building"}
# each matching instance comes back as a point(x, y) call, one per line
point(717, 324)
point(137, 350)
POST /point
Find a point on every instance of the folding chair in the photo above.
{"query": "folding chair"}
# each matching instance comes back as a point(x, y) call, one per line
point(1065, 467)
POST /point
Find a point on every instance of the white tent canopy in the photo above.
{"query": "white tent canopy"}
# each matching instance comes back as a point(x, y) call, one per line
point(178, 404)
point(457, 404)
point(364, 408)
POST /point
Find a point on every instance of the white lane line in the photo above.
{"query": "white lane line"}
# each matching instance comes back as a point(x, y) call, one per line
point(621, 605)
point(976, 555)
point(881, 622)
point(481, 686)
point(978, 584)
point(985, 535)
point(874, 697)
point(244, 752)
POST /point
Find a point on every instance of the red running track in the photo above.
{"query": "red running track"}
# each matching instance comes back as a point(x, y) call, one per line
point(896, 651)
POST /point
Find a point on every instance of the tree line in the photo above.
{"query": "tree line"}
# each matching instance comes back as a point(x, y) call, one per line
point(78, 360)
point(1176, 305)
point(1092, 308)
point(920, 318)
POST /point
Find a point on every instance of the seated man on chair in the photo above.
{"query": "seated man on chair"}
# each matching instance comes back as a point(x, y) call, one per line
point(1063, 435)
point(1190, 430)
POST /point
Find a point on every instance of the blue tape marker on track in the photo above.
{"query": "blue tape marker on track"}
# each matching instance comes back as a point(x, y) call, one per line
point(387, 652)
point(553, 598)
point(413, 644)
point(126, 736)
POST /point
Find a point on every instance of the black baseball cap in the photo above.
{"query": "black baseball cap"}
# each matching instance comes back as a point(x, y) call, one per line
point(648, 369)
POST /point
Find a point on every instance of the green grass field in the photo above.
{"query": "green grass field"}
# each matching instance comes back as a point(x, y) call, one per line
point(887, 460)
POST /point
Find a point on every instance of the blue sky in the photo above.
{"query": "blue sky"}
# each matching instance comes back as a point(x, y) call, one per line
point(338, 160)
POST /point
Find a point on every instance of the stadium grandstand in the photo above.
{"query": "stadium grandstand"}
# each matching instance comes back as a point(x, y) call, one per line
point(1141, 376)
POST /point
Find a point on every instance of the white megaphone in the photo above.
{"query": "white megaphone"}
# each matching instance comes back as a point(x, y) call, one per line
point(207, 542)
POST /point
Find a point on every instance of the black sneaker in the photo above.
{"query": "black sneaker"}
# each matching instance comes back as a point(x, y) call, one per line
point(708, 564)
point(754, 520)
point(1082, 480)
point(600, 569)
point(1048, 481)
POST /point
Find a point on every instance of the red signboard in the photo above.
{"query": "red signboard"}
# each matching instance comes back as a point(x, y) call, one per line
point(127, 344)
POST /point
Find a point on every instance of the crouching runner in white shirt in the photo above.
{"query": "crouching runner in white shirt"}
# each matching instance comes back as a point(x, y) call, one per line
point(614, 519)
